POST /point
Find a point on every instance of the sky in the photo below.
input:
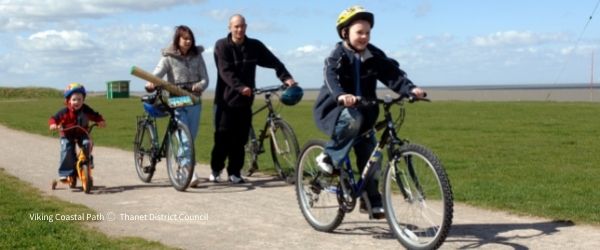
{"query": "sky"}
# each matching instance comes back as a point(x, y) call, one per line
point(50, 43)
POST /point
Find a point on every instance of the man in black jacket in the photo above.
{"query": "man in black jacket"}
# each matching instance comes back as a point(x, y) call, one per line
point(236, 58)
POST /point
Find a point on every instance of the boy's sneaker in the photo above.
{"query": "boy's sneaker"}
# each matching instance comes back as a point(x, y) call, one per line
point(215, 177)
point(378, 213)
point(236, 180)
point(324, 163)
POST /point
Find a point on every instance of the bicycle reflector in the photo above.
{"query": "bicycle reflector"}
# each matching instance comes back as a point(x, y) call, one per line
point(292, 95)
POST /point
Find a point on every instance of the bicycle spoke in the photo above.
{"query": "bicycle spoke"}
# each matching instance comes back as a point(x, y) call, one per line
point(317, 194)
point(417, 220)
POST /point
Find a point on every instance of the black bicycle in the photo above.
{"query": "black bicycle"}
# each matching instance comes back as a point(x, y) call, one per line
point(417, 196)
point(177, 145)
point(284, 144)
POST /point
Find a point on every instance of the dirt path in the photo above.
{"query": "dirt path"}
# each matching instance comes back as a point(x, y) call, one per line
point(261, 214)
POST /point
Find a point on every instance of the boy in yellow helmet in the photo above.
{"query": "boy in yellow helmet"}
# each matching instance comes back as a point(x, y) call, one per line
point(351, 71)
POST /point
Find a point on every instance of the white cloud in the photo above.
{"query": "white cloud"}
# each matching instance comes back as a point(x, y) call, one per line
point(513, 37)
point(265, 27)
point(65, 40)
point(309, 50)
point(221, 15)
point(20, 14)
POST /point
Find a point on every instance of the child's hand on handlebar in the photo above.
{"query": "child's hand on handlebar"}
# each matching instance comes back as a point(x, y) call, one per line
point(348, 100)
point(418, 92)
point(54, 127)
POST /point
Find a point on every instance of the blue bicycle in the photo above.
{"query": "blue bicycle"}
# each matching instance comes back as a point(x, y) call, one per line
point(417, 196)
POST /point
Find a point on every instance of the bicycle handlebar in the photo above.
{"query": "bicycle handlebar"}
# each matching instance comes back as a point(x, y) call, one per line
point(268, 89)
point(388, 100)
point(88, 131)
point(271, 89)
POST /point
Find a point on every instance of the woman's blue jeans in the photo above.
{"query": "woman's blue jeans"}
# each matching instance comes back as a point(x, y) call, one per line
point(190, 116)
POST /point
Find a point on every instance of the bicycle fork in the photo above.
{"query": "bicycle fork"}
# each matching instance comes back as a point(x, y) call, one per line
point(153, 151)
point(402, 178)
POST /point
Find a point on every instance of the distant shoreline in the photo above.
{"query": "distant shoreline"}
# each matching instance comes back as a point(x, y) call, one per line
point(528, 92)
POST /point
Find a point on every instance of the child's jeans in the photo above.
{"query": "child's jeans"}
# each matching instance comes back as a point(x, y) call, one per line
point(346, 135)
point(68, 159)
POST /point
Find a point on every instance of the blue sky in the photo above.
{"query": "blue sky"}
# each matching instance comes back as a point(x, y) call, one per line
point(462, 42)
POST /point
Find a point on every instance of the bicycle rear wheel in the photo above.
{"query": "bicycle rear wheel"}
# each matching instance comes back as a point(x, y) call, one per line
point(180, 156)
point(417, 198)
point(317, 194)
point(144, 147)
point(284, 150)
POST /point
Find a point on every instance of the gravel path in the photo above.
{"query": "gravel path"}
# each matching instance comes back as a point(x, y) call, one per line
point(261, 214)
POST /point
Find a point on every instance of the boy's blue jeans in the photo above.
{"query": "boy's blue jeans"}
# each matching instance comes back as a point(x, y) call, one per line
point(346, 135)
point(190, 116)
point(68, 159)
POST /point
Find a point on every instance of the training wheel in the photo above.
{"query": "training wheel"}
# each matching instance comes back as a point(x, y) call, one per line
point(54, 183)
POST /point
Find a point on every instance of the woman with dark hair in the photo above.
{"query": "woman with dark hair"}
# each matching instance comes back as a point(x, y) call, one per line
point(182, 64)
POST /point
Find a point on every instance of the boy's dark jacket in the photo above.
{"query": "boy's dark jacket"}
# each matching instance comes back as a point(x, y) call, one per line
point(339, 79)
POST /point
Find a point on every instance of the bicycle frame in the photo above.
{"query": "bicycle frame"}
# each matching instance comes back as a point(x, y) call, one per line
point(389, 139)
point(162, 150)
point(82, 157)
point(271, 116)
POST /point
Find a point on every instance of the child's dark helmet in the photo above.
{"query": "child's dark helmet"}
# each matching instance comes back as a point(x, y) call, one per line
point(74, 88)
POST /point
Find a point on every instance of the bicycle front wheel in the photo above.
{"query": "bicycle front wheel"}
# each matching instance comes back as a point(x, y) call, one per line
point(143, 150)
point(417, 198)
point(284, 150)
point(85, 176)
point(317, 193)
point(180, 156)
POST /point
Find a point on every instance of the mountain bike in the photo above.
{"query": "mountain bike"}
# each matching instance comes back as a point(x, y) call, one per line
point(177, 145)
point(84, 164)
point(417, 195)
point(283, 141)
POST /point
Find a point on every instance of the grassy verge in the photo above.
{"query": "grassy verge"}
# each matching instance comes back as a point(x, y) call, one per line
point(28, 93)
point(25, 222)
point(535, 158)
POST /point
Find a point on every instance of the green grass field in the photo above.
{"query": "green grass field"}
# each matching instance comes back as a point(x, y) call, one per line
point(534, 158)
point(25, 222)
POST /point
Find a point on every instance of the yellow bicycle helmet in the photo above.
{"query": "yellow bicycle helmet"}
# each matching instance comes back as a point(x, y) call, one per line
point(352, 14)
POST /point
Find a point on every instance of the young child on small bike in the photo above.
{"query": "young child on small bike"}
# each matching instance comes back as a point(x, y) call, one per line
point(76, 113)
point(351, 71)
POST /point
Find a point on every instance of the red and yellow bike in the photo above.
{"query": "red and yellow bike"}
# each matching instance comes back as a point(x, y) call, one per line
point(84, 164)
